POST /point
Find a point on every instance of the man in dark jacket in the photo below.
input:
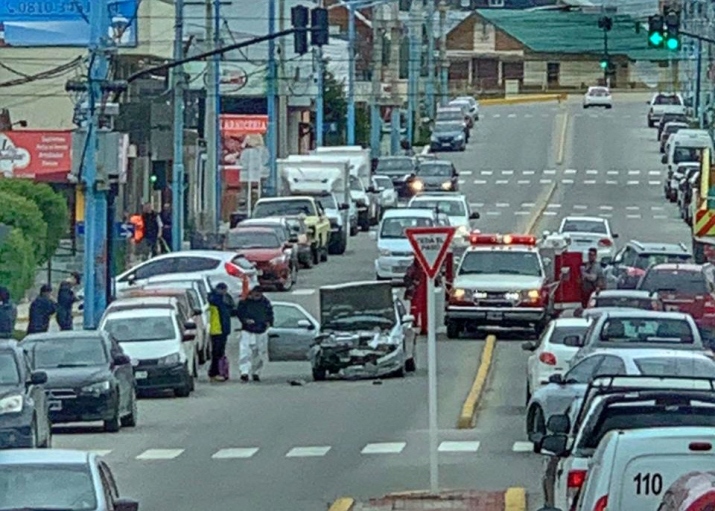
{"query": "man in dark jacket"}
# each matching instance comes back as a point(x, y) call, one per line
point(225, 306)
point(151, 230)
point(65, 302)
point(41, 310)
point(8, 314)
point(166, 226)
point(256, 316)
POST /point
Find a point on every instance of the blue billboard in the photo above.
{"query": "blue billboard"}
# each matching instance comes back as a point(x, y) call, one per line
point(63, 22)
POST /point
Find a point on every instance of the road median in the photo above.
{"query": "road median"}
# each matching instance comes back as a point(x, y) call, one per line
point(468, 415)
point(540, 208)
point(512, 499)
point(526, 98)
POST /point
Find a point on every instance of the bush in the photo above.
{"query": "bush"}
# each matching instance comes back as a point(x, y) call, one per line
point(52, 206)
point(24, 214)
point(17, 263)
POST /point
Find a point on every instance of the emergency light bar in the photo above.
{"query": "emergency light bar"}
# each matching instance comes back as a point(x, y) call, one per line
point(477, 238)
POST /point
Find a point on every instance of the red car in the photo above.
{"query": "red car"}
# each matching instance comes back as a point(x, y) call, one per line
point(688, 288)
point(271, 256)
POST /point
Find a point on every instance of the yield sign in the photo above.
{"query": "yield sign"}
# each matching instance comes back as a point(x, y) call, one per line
point(431, 245)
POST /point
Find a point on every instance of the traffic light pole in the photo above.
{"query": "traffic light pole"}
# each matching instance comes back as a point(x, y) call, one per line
point(177, 181)
point(606, 70)
point(272, 132)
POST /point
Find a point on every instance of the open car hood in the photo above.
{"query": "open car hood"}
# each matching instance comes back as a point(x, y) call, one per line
point(357, 307)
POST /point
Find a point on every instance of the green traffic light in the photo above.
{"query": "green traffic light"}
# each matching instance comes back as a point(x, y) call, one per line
point(153, 178)
point(672, 44)
point(604, 64)
point(656, 38)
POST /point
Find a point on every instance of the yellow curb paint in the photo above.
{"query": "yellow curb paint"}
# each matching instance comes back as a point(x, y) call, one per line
point(562, 140)
point(342, 504)
point(530, 98)
point(515, 499)
point(542, 207)
point(469, 409)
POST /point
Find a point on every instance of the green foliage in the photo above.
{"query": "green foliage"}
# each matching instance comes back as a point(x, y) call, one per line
point(52, 206)
point(17, 263)
point(23, 214)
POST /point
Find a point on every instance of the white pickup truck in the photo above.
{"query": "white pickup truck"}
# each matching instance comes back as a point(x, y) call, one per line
point(664, 103)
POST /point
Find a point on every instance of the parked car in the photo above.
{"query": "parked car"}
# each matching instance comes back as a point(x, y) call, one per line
point(386, 192)
point(450, 136)
point(281, 227)
point(631, 262)
point(473, 105)
point(271, 255)
point(300, 239)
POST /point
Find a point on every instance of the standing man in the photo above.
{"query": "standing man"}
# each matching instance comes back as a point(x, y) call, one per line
point(256, 316)
point(151, 230)
point(222, 308)
point(8, 314)
point(65, 302)
point(41, 310)
point(166, 221)
point(592, 278)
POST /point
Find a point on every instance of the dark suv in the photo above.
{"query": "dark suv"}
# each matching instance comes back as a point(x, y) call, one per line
point(632, 261)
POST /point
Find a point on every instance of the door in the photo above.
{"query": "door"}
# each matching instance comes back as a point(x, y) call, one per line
point(408, 331)
point(37, 394)
point(553, 70)
point(292, 333)
point(124, 373)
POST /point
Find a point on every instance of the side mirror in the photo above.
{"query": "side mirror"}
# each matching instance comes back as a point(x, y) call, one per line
point(197, 311)
point(408, 318)
point(190, 325)
point(606, 261)
point(121, 360)
point(304, 323)
point(373, 235)
point(559, 424)
point(131, 278)
point(189, 336)
point(573, 341)
point(474, 215)
point(126, 505)
point(615, 236)
point(344, 207)
point(293, 238)
point(529, 346)
point(664, 159)
point(555, 444)
point(38, 378)
point(556, 378)
point(371, 189)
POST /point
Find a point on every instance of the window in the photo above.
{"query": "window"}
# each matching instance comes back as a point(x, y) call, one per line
point(686, 154)
point(194, 299)
point(63, 486)
point(448, 207)
point(645, 330)
point(9, 372)
point(242, 263)
point(140, 329)
point(394, 228)
point(662, 366)
point(500, 262)
point(153, 268)
point(674, 281)
point(67, 352)
point(611, 366)
point(286, 316)
point(289, 207)
point(196, 264)
point(401, 310)
point(663, 99)
point(384, 182)
point(626, 302)
point(562, 332)
point(248, 239)
point(584, 226)
point(628, 256)
point(583, 371)
point(553, 70)
point(355, 184)
point(435, 170)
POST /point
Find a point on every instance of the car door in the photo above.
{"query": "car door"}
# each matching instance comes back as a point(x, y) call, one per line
point(292, 334)
point(110, 491)
point(37, 394)
point(146, 271)
point(533, 360)
point(409, 335)
point(124, 373)
point(197, 316)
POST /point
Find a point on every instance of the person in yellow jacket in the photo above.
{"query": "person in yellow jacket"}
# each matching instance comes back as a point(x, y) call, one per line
point(221, 309)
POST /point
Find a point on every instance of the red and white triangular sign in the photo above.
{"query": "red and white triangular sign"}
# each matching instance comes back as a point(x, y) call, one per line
point(431, 245)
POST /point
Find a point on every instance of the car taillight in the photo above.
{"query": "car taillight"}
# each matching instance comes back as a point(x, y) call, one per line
point(575, 479)
point(601, 504)
point(709, 306)
point(547, 358)
point(605, 242)
point(233, 270)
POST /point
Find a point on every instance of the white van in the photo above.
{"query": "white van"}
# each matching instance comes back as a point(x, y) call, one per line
point(685, 146)
point(651, 469)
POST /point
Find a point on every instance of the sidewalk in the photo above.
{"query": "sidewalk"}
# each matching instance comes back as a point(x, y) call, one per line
point(446, 501)
point(23, 314)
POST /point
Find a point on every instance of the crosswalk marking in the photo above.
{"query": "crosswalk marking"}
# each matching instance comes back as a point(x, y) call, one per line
point(634, 172)
point(606, 208)
point(160, 454)
point(479, 182)
point(529, 172)
point(654, 173)
point(493, 213)
point(303, 292)
point(590, 182)
point(466, 172)
point(486, 172)
point(579, 206)
point(523, 447)
point(384, 448)
point(612, 172)
point(653, 183)
point(101, 452)
point(592, 172)
point(507, 172)
point(633, 183)
point(567, 181)
point(527, 204)
point(611, 182)
point(545, 181)
point(632, 208)
point(501, 182)
point(522, 212)
point(502, 204)
point(523, 182)
point(550, 213)
point(550, 172)
point(308, 452)
point(458, 446)
point(235, 453)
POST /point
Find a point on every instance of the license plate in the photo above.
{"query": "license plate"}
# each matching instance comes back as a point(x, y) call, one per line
point(55, 406)
point(494, 316)
point(399, 269)
point(141, 375)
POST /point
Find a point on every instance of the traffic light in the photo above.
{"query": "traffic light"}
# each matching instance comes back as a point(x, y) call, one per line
point(299, 19)
point(672, 30)
point(604, 63)
point(656, 31)
point(605, 23)
point(319, 32)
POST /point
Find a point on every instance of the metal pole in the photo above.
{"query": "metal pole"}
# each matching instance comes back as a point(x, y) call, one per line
point(271, 135)
point(282, 89)
point(443, 67)
point(319, 101)
point(605, 56)
point(395, 64)
point(177, 182)
point(395, 120)
point(375, 122)
point(211, 133)
point(414, 35)
point(95, 205)
point(698, 82)
point(430, 59)
point(432, 385)
point(351, 74)
point(217, 118)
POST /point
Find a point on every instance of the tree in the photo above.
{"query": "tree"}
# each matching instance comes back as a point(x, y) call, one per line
point(23, 214)
point(335, 104)
point(17, 263)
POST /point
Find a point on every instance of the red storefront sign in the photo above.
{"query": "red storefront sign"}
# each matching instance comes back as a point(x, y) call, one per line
point(41, 155)
point(239, 132)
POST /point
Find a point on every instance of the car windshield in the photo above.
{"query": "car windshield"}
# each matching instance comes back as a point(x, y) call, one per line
point(448, 127)
point(394, 228)
point(394, 166)
point(662, 99)
point(598, 91)
point(681, 154)
point(384, 182)
point(450, 115)
point(673, 128)
point(284, 208)
point(665, 366)
point(675, 281)
point(645, 261)
point(67, 352)
point(647, 330)
point(9, 372)
point(448, 207)
point(327, 201)
point(500, 262)
point(585, 226)
point(146, 328)
point(355, 184)
point(431, 169)
point(562, 332)
point(251, 239)
point(61, 486)
point(626, 302)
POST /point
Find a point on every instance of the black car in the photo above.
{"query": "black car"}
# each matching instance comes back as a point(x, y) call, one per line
point(670, 117)
point(24, 418)
point(633, 260)
point(434, 176)
point(89, 377)
point(451, 136)
point(397, 168)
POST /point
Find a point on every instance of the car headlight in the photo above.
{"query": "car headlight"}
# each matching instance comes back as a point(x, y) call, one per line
point(168, 360)
point(279, 260)
point(459, 137)
point(384, 252)
point(11, 404)
point(462, 230)
point(97, 388)
point(459, 293)
point(532, 295)
point(447, 185)
point(417, 185)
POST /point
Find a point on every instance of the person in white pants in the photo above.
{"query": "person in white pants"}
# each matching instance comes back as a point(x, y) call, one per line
point(256, 316)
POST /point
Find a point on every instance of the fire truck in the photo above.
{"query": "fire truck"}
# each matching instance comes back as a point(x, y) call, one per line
point(506, 280)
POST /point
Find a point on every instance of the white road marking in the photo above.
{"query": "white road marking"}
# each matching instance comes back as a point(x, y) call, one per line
point(605, 215)
point(303, 292)
point(613, 172)
point(502, 204)
point(550, 213)
point(501, 182)
point(523, 447)
point(522, 212)
point(633, 216)
point(545, 181)
point(592, 172)
point(549, 172)
point(633, 208)
point(507, 172)
point(461, 181)
point(657, 208)
point(511, 116)
point(487, 172)
point(609, 182)
point(527, 204)
point(523, 182)
point(479, 182)
point(589, 182)
point(653, 183)
point(466, 172)
point(528, 116)
point(554, 206)
point(633, 183)
point(160, 454)
point(308, 452)
point(634, 172)
point(235, 453)
point(496, 115)
point(606, 208)
point(567, 181)
point(458, 446)
point(493, 213)
point(384, 448)
point(570, 171)
point(529, 172)
point(101, 452)
point(579, 206)
point(654, 173)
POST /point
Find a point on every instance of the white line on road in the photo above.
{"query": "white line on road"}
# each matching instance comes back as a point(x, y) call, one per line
point(529, 172)
point(550, 213)
point(496, 115)
point(458, 446)
point(101, 452)
point(303, 292)
point(570, 171)
point(605, 215)
point(634, 172)
point(612, 172)
point(384, 448)
point(522, 212)
point(633, 208)
point(554, 206)
point(633, 183)
point(592, 172)
point(479, 182)
point(235, 453)
point(507, 172)
point(476, 204)
point(589, 182)
point(160, 454)
point(466, 172)
point(609, 182)
point(523, 182)
point(580, 206)
point(660, 217)
point(501, 182)
point(606, 208)
point(527, 204)
point(523, 447)
point(528, 116)
point(634, 216)
point(545, 181)
point(549, 172)
point(567, 181)
point(493, 213)
point(657, 208)
point(511, 116)
point(487, 172)
point(461, 181)
point(653, 183)
point(308, 452)
point(502, 204)
point(654, 173)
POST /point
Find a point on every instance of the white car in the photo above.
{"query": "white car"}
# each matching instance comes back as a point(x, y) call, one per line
point(395, 253)
point(218, 266)
point(473, 105)
point(455, 206)
point(550, 354)
point(587, 232)
point(386, 191)
point(598, 96)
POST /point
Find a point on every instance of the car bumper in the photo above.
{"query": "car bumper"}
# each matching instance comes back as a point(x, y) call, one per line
point(502, 316)
point(304, 253)
point(87, 408)
point(273, 276)
point(19, 437)
point(336, 235)
point(167, 377)
point(447, 145)
point(595, 102)
point(392, 267)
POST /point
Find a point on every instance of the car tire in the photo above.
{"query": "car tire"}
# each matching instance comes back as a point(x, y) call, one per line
point(536, 425)
point(319, 374)
point(410, 365)
point(454, 328)
point(585, 107)
point(33, 435)
point(130, 420)
point(315, 254)
point(201, 356)
point(608, 107)
point(114, 424)
point(528, 393)
point(188, 386)
point(399, 373)
point(324, 254)
point(308, 263)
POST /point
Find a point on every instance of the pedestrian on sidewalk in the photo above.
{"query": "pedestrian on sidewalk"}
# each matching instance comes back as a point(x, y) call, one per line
point(8, 314)
point(166, 226)
point(592, 277)
point(66, 299)
point(222, 307)
point(41, 310)
point(255, 313)
point(150, 219)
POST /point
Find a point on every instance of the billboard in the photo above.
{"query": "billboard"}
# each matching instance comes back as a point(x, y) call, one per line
point(63, 22)
point(243, 147)
point(43, 155)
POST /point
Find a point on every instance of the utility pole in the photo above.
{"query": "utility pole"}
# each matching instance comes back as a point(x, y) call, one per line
point(95, 205)
point(605, 23)
point(430, 59)
point(375, 120)
point(395, 43)
point(282, 89)
point(413, 75)
point(351, 73)
point(211, 200)
point(177, 182)
point(271, 104)
point(319, 101)
point(216, 60)
point(443, 64)
point(698, 83)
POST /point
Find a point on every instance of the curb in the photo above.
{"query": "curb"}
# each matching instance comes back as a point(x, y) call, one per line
point(537, 216)
point(26, 319)
point(469, 410)
point(515, 499)
point(342, 504)
point(425, 151)
point(562, 144)
point(531, 98)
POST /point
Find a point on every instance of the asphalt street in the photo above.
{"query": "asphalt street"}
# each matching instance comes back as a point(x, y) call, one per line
point(277, 446)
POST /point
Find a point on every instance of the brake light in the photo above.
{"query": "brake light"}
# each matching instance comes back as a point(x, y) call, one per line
point(575, 479)
point(700, 446)
point(605, 242)
point(547, 358)
point(709, 306)
point(476, 238)
point(233, 270)
point(601, 504)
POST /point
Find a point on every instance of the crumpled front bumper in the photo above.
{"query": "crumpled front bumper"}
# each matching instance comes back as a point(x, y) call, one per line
point(384, 365)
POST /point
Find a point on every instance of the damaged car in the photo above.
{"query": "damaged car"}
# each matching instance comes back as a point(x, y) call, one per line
point(365, 332)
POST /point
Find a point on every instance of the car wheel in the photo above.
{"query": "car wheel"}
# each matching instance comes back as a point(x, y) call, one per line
point(324, 254)
point(201, 356)
point(319, 373)
point(308, 262)
point(195, 370)
point(536, 426)
point(315, 254)
point(130, 420)
point(608, 107)
point(399, 373)
point(585, 107)
point(454, 328)
point(188, 386)
point(528, 393)
point(114, 424)
point(410, 365)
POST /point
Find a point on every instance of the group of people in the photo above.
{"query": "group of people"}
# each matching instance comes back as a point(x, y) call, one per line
point(152, 230)
point(255, 314)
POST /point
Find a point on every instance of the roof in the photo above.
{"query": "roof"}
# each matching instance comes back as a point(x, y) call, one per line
point(285, 198)
point(69, 334)
point(162, 301)
point(586, 218)
point(631, 354)
point(571, 322)
point(43, 456)
point(392, 158)
point(271, 220)
point(690, 432)
point(623, 293)
point(573, 32)
point(655, 247)
point(677, 266)
point(636, 313)
point(408, 212)
point(218, 254)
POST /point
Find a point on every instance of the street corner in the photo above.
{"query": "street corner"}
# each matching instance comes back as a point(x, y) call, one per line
point(512, 499)
point(467, 417)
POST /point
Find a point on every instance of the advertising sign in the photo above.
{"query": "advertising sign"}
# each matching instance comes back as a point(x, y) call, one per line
point(35, 154)
point(63, 22)
point(242, 144)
